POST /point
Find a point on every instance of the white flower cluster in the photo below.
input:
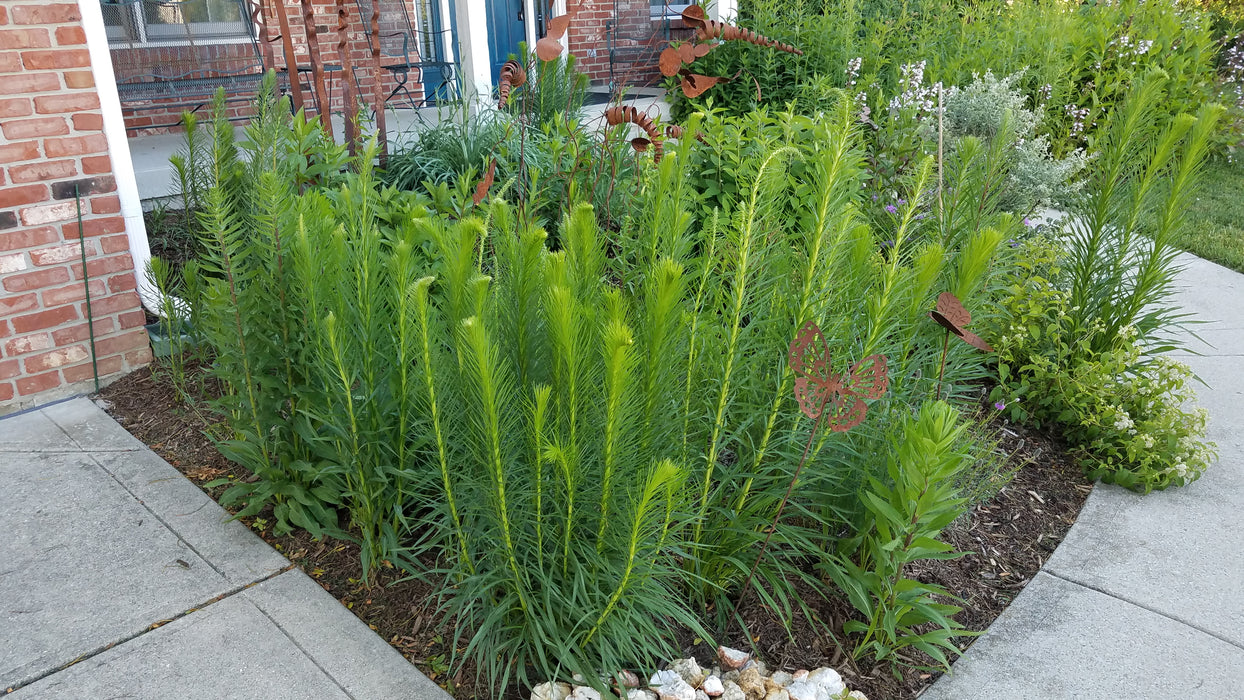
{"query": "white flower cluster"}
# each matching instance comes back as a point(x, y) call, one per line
point(853, 70)
point(1079, 117)
point(915, 94)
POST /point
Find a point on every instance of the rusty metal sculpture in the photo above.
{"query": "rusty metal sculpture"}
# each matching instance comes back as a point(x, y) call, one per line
point(350, 103)
point(291, 58)
point(951, 315)
point(625, 114)
point(482, 187)
point(317, 65)
point(829, 398)
point(675, 59)
point(378, 99)
point(550, 47)
point(512, 75)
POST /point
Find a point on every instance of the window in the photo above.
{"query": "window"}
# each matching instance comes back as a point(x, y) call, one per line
point(174, 21)
point(667, 9)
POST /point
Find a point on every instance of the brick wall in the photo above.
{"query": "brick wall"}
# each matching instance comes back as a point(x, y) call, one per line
point(636, 38)
point(51, 139)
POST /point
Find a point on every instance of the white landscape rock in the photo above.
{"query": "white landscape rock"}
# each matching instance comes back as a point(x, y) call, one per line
point(733, 692)
point(804, 690)
point(640, 694)
point(689, 670)
point(713, 687)
point(669, 685)
point(777, 694)
point(550, 691)
point(732, 659)
point(584, 692)
point(781, 678)
point(828, 679)
point(627, 679)
point(701, 695)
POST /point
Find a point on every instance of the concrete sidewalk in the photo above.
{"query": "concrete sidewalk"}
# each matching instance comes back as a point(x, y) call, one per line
point(1145, 596)
point(120, 578)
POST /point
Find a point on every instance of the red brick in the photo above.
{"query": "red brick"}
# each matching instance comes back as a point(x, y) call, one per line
point(132, 319)
point(43, 171)
point(5, 331)
point(71, 293)
point(85, 371)
point(10, 62)
point(95, 227)
point(54, 359)
point(25, 39)
point(123, 282)
point(126, 301)
point(14, 152)
point(38, 383)
point(10, 369)
point(100, 267)
point(28, 343)
point(139, 357)
point(130, 340)
point(49, 213)
point(6, 389)
point(110, 204)
point(82, 331)
point(114, 244)
point(29, 281)
point(15, 304)
point(19, 107)
point(28, 238)
point(59, 254)
point(69, 36)
point(60, 13)
point(32, 128)
point(79, 79)
point(95, 165)
point(26, 194)
point(55, 59)
point(44, 320)
point(88, 122)
point(75, 146)
point(27, 82)
point(4, 15)
point(70, 102)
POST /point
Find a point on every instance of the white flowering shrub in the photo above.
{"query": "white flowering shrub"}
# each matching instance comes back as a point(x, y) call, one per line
point(1129, 415)
point(980, 109)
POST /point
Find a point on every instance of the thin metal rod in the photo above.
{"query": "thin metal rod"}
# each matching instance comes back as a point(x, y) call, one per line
point(764, 547)
point(942, 370)
point(86, 283)
point(317, 66)
point(349, 98)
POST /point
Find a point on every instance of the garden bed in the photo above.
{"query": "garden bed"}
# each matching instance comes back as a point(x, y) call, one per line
point(1009, 537)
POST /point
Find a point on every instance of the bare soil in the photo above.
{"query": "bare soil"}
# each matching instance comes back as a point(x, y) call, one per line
point(1009, 537)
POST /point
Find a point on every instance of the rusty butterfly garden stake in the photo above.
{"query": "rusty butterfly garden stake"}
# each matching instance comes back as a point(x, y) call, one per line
point(835, 400)
point(951, 315)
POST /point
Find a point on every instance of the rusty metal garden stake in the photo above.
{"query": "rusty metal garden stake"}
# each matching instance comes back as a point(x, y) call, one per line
point(818, 387)
point(291, 58)
point(317, 66)
point(349, 99)
point(382, 134)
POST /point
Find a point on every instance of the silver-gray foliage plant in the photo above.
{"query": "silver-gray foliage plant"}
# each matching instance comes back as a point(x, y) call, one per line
point(1036, 178)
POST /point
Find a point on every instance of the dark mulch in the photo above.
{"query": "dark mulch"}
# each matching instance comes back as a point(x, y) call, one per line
point(1010, 536)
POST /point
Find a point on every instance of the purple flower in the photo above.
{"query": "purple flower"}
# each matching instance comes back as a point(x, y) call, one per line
point(1000, 405)
point(874, 197)
point(891, 208)
point(1014, 243)
point(1028, 223)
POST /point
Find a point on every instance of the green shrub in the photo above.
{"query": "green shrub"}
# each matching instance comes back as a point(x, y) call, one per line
point(1078, 59)
point(1127, 413)
point(906, 513)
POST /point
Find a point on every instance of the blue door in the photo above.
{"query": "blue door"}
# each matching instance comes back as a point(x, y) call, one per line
point(505, 31)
